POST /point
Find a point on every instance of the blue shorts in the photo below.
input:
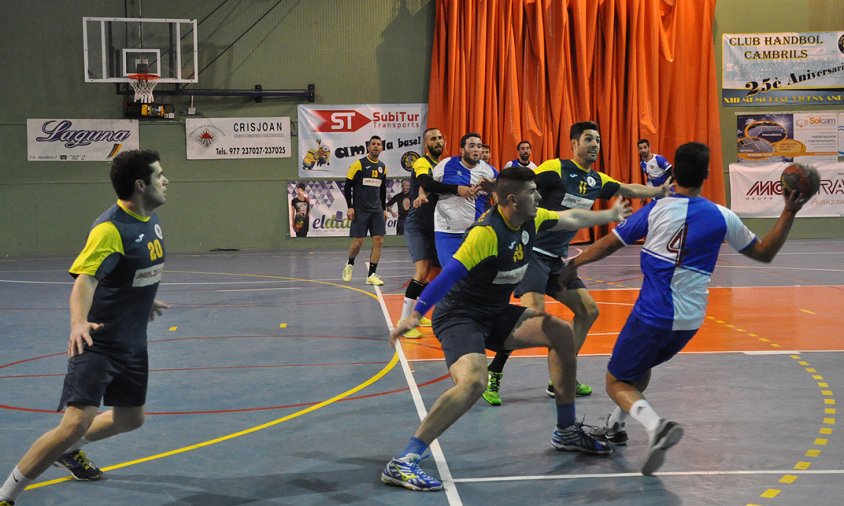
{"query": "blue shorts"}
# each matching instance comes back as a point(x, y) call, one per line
point(542, 276)
point(93, 378)
point(462, 334)
point(641, 347)
point(420, 241)
point(447, 245)
point(368, 221)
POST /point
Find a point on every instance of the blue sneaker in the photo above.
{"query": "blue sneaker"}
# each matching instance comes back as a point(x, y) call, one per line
point(405, 472)
point(574, 439)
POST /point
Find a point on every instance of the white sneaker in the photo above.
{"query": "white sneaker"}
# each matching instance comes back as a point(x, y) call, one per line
point(372, 280)
point(347, 272)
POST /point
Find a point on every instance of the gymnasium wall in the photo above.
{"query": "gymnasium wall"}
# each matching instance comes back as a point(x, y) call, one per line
point(354, 51)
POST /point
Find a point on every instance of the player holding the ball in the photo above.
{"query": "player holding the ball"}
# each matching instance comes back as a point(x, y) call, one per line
point(683, 232)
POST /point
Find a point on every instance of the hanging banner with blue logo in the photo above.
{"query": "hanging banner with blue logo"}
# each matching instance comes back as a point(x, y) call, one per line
point(803, 137)
point(79, 140)
point(786, 68)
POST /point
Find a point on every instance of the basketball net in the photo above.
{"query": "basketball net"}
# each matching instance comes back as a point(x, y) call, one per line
point(143, 85)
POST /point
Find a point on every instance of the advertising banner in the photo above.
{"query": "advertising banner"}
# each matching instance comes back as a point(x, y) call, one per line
point(756, 192)
point(228, 138)
point(803, 137)
point(79, 140)
point(332, 137)
point(764, 69)
point(318, 208)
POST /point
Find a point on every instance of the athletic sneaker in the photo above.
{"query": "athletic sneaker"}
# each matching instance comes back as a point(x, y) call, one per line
point(412, 334)
point(347, 272)
point(492, 387)
point(668, 434)
point(580, 389)
point(615, 434)
point(80, 466)
point(405, 472)
point(424, 322)
point(6, 502)
point(574, 439)
point(373, 279)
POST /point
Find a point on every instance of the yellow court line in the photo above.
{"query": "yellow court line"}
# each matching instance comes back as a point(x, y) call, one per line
point(387, 368)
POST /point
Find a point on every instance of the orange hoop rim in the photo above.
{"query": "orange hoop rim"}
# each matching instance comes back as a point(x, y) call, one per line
point(143, 77)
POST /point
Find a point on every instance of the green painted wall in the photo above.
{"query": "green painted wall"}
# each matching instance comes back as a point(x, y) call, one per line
point(354, 51)
point(774, 16)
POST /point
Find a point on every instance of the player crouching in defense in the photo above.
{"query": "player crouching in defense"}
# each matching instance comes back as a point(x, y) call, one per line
point(473, 313)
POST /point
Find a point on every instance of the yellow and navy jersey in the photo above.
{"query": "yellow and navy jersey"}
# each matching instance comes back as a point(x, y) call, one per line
point(496, 256)
point(125, 252)
point(424, 213)
point(368, 185)
point(563, 184)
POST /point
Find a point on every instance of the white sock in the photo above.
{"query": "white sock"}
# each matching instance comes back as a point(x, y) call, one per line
point(642, 411)
point(618, 416)
point(407, 308)
point(14, 485)
point(77, 445)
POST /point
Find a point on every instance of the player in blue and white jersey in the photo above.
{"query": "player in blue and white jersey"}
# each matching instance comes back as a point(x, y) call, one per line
point(112, 300)
point(656, 168)
point(684, 232)
point(524, 150)
point(455, 214)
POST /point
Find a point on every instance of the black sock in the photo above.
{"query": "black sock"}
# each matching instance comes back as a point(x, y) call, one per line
point(372, 268)
point(414, 289)
point(351, 261)
point(500, 359)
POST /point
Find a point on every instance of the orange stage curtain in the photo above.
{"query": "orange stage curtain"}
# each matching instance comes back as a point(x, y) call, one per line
point(528, 69)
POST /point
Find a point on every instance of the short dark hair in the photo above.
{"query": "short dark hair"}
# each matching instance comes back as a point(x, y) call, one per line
point(643, 141)
point(301, 186)
point(511, 180)
point(523, 142)
point(374, 137)
point(578, 128)
point(466, 137)
point(128, 167)
point(691, 164)
point(425, 133)
point(485, 146)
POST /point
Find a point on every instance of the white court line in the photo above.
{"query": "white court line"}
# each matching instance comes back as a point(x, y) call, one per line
point(436, 452)
point(638, 475)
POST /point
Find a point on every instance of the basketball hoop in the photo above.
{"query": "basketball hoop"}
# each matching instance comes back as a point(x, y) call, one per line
point(143, 85)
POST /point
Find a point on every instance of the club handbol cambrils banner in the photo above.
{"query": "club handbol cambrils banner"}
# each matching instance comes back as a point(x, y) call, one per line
point(756, 192)
point(804, 137)
point(332, 137)
point(79, 140)
point(229, 138)
point(787, 68)
point(318, 208)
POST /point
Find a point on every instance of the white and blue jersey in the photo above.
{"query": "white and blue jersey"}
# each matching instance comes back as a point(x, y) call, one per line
point(657, 170)
point(454, 214)
point(684, 236)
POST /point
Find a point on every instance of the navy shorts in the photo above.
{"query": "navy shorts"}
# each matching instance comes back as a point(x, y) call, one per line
point(420, 241)
point(542, 276)
point(368, 221)
point(93, 378)
point(641, 347)
point(461, 334)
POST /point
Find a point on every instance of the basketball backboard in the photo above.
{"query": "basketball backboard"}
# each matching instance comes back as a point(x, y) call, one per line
point(116, 47)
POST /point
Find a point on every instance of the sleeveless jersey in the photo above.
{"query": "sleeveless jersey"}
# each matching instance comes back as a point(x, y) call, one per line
point(562, 185)
point(125, 252)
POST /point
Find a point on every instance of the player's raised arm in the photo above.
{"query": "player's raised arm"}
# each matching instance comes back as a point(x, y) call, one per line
point(574, 219)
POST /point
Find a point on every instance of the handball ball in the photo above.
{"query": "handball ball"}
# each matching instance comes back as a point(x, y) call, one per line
point(803, 178)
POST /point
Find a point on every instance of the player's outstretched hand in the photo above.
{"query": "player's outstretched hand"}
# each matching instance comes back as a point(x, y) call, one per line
point(421, 199)
point(794, 201)
point(467, 192)
point(405, 324)
point(80, 336)
point(622, 209)
point(567, 275)
point(157, 307)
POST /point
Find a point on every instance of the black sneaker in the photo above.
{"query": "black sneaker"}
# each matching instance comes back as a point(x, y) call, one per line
point(667, 435)
point(615, 434)
point(80, 466)
point(574, 439)
point(7, 502)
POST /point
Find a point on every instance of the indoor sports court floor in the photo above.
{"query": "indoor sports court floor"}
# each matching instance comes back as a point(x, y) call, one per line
point(272, 383)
